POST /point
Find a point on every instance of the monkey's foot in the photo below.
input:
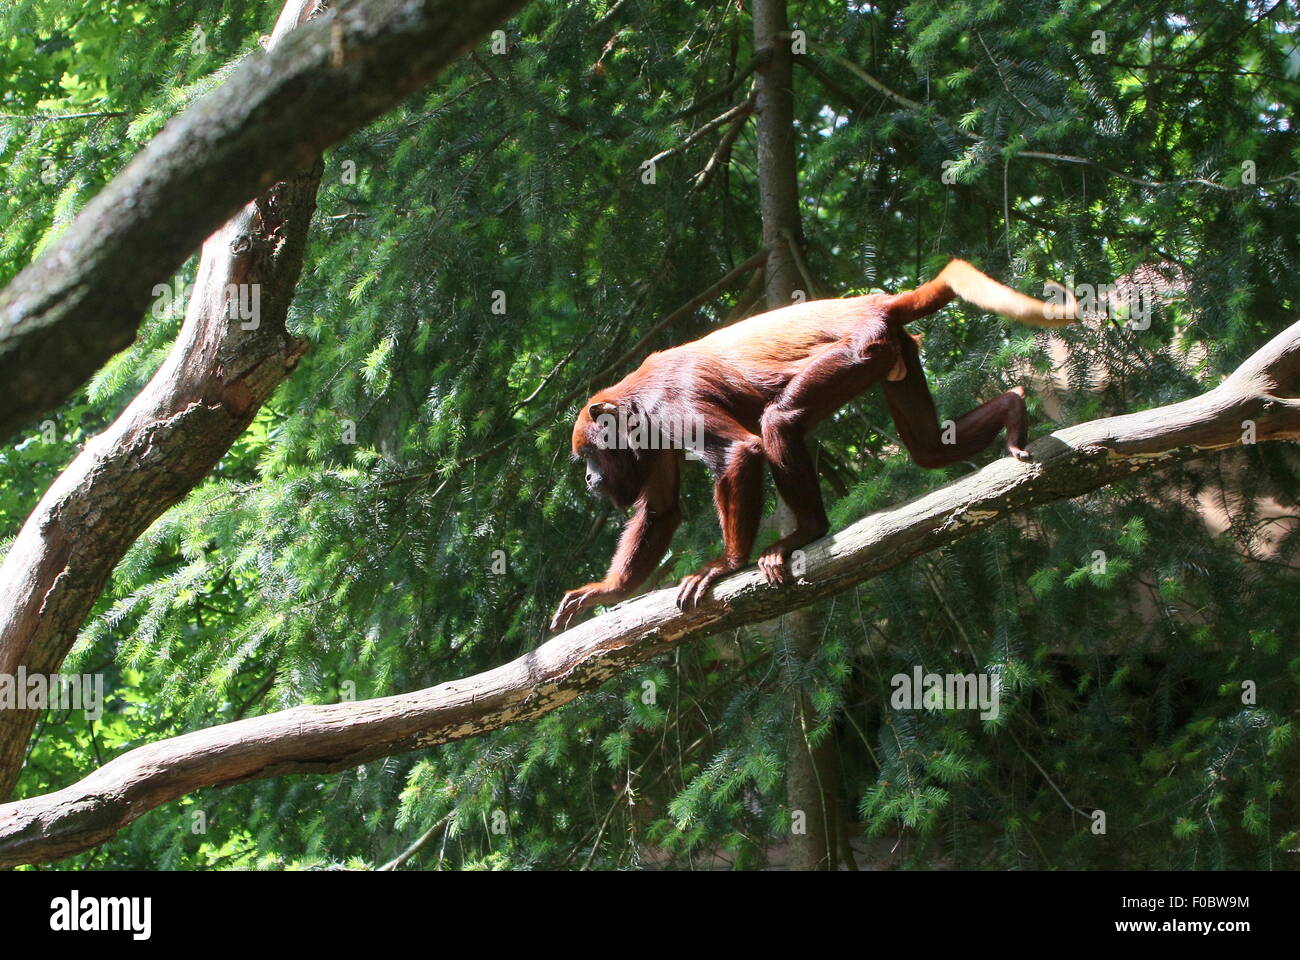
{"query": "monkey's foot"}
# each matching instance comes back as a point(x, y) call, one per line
point(773, 560)
point(695, 586)
point(772, 563)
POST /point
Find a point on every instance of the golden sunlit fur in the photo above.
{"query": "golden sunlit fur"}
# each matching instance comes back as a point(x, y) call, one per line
point(983, 291)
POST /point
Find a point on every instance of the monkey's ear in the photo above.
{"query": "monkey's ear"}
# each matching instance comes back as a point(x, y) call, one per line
point(601, 409)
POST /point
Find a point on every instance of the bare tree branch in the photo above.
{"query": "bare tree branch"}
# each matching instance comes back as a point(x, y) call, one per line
point(731, 113)
point(82, 299)
point(1264, 391)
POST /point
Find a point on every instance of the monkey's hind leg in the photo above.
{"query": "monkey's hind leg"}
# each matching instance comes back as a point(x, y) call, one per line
point(932, 447)
point(835, 377)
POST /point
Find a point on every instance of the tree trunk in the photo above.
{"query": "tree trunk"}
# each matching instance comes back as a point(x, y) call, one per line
point(810, 787)
point(778, 183)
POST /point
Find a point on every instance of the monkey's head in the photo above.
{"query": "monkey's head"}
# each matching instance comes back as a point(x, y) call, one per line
point(615, 467)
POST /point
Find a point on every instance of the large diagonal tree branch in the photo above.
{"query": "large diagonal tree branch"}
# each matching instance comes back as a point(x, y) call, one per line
point(82, 299)
point(1265, 391)
point(219, 372)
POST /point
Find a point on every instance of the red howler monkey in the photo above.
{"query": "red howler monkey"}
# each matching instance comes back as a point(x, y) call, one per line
point(757, 387)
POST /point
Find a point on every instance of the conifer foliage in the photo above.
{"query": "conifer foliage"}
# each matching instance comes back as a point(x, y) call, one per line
point(403, 510)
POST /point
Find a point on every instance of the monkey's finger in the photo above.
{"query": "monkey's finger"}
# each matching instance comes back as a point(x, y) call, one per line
point(683, 589)
point(684, 592)
point(701, 588)
point(773, 568)
point(570, 607)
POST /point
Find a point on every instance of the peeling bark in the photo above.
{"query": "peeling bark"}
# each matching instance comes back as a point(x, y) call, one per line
point(82, 299)
point(321, 739)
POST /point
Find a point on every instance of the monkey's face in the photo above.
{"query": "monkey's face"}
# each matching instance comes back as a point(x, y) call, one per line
point(612, 468)
point(614, 474)
point(595, 475)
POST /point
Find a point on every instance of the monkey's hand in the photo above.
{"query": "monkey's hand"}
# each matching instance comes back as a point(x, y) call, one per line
point(773, 562)
point(694, 587)
point(584, 598)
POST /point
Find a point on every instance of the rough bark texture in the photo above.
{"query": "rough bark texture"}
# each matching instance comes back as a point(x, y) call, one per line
point(82, 299)
point(777, 173)
point(170, 436)
point(811, 789)
point(218, 374)
point(320, 739)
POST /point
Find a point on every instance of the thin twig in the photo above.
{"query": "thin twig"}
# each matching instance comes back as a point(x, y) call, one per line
point(724, 147)
point(815, 291)
point(727, 280)
point(414, 848)
point(756, 61)
point(1050, 781)
point(731, 114)
point(1067, 158)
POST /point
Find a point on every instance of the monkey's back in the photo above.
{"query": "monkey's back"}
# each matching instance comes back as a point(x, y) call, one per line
point(786, 338)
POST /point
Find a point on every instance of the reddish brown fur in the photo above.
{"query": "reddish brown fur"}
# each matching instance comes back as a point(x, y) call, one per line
point(759, 386)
